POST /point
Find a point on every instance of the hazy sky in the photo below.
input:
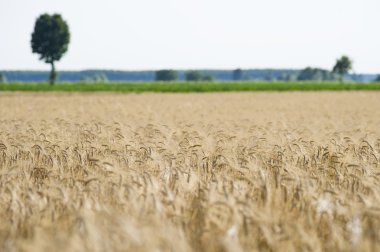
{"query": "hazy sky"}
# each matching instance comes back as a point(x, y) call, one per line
point(193, 34)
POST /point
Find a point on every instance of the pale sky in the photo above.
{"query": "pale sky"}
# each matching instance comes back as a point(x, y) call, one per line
point(197, 34)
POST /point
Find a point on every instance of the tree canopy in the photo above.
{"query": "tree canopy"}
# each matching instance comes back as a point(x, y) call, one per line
point(50, 39)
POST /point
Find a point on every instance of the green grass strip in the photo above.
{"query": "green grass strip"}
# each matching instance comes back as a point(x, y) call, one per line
point(184, 87)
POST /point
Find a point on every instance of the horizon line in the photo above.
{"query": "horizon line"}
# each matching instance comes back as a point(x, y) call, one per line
point(180, 69)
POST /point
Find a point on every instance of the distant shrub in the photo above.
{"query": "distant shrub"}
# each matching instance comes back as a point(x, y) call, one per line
point(193, 75)
point(208, 78)
point(166, 75)
point(237, 74)
point(316, 74)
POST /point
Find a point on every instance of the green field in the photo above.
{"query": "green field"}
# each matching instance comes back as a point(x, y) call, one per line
point(189, 86)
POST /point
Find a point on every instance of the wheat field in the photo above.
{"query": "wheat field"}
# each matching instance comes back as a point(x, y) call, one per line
point(190, 172)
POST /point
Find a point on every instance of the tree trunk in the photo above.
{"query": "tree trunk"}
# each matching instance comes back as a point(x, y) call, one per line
point(341, 78)
point(53, 74)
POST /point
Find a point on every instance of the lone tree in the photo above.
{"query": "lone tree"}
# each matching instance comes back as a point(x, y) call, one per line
point(342, 66)
point(50, 39)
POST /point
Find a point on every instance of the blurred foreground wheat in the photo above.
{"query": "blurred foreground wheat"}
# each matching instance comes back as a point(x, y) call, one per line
point(196, 172)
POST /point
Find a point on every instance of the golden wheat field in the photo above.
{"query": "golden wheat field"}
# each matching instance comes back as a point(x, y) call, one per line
point(190, 172)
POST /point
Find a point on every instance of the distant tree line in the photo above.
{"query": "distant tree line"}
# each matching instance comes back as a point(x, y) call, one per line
point(307, 74)
point(3, 79)
point(98, 77)
point(316, 74)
